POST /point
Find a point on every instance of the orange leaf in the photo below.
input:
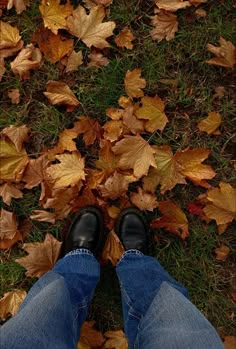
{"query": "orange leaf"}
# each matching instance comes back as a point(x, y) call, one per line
point(9, 191)
point(8, 224)
point(222, 252)
point(113, 249)
point(116, 339)
point(35, 171)
point(134, 84)
point(225, 54)
point(17, 134)
point(42, 256)
point(113, 130)
point(230, 342)
point(10, 303)
point(89, 336)
point(114, 113)
point(210, 123)
point(116, 185)
point(144, 201)
point(43, 216)
point(90, 128)
point(173, 219)
point(9, 36)
point(130, 120)
point(166, 25)
point(125, 38)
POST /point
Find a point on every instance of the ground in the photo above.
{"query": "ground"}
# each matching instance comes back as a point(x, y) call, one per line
point(189, 99)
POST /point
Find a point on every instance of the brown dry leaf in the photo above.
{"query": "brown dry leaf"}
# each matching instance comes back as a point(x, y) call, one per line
point(35, 171)
point(114, 113)
point(89, 28)
point(17, 134)
point(70, 170)
point(152, 110)
point(97, 60)
point(8, 225)
point(75, 59)
point(172, 5)
point(230, 342)
point(54, 15)
point(134, 84)
point(197, 2)
point(201, 13)
point(134, 152)
point(14, 95)
point(222, 252)
point(113, 249)
point(65, 142)
point(130, 120)
point(125, 102)
point(166, 25)
point(10, 303)
point(222, 204)
point(9, 191)
point(91, 3)
point(173, 219)
point(89, 336)
point(41, 257)
point(113, 129)
point(225, 54)
point(116, 339)
point(9, 36)
point(3, 4)
point(125, 38)
point(58, 92)
point(43, 216)
point(86, 198)
point(2, 67)
point(144, 201)
point(116, 185)
point(8, 52)
point(210, 123)
point(13, 162)
point(28, 58)
point(90, 128)
point(20, 5)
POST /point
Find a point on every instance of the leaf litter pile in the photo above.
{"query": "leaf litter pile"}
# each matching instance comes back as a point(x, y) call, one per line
point(114, 161)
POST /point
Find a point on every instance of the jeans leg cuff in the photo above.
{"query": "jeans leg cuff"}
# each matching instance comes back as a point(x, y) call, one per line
point(133, 251)
point(82, 251)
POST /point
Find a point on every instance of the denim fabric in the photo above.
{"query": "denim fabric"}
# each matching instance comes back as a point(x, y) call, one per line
point(157, 313)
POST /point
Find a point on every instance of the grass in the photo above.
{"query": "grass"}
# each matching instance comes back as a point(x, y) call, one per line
point(182, 59)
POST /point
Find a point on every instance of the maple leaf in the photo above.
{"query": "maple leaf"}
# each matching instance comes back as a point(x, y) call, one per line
point(166, 25)
point(116, 185)
point(89, 336)
point(222, 204)
point(113, 130)
point(229, 342)
point(54, 15)
point(97, 60)
point(58, 92)
point(20, 5)
point(210, 123)
point(116, 339)
point(144, 201)
point(125, 38)
point(10, 51)
point(75, 59)
point(91, 3)
point(113, 249)
point(86, 198)
point(152, 110)
point(65, 142)
point(70, 171)
point(134, 152)
point(134, 84)
point(173, 219)
point(9, 234)
point(41, 257)
point(9, 36)
point(225, 54)
point(89, 28)
point(10, 303)
point(130, 120)
point(35, 172)
point(222, 252)
point(90, 128)
point(114, 113)
point(28, 58)
point(17, 134)
point(14, 95)
point(9, 191)
point(13, 162)
point(172, 5)
point(2, 67)
point(43, 216)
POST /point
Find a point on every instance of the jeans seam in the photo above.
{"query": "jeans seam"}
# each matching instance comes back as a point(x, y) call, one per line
point(133, 251)
point(81, 251)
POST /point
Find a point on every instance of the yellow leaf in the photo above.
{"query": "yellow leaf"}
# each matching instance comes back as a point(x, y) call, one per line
point(222, 253)
point(166, 25)
point(113, 249)
point(134, 84)
point(9, 191)
point(70, 171)
point(152, 110)
point(75, 59)
point(54, 15)
point(225, 54)
point(116, 339)
point(10, 303)
point(9, 36)
point(113, 130)
point(17, 134)
point(66, 141)
point(89, 28)
point(144, 201)
point(125, 38)
point(210, 123)
point(20, 5)
point(172, 5)
point(41, 257)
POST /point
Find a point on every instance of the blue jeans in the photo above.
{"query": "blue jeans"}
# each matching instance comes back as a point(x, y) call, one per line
point(156, 310)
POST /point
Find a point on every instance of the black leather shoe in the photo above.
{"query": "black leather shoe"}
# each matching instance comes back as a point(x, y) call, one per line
point(132, 229)
point(86, 231)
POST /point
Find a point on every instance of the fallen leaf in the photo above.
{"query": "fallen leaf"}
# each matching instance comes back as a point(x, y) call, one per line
point(14, 95)
point(114, 113)
point(90, 128)
point(41, 257)
point(13, 162)
point(54, 15)
point(116, 185)
point(144, 201)
point(113, 129)
point(125, 38)
point(9, 36)
point(9, 191)
point(3, 4)
point(166, 25)
point(2, 67)
point(222, 252)
point(70, 170)
point(197, 2)
point(172, 5)
point(134, 152)
point(222, 204)
point(113, 249)
point(20, 5)
point(125, 102)
point(210, 123)
point(130, 120)
point(195, 208)
point(89, 336)
point(201, 13)
point(35, 172)
point(97, 60)
point(225, 54)
point(173, 219)
point(65, 142)
point(58, 92)
point(10, 303)
point(43, 216)
point(116, 339)
point(134, 84)
point(86, 198)
point(17, 134)
point(11, 51)
point(28, 58)
point(75, 59)
point(8, 225)
point(229, 342)
point(91, 3)
point(89, 28)
point(152, 110)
